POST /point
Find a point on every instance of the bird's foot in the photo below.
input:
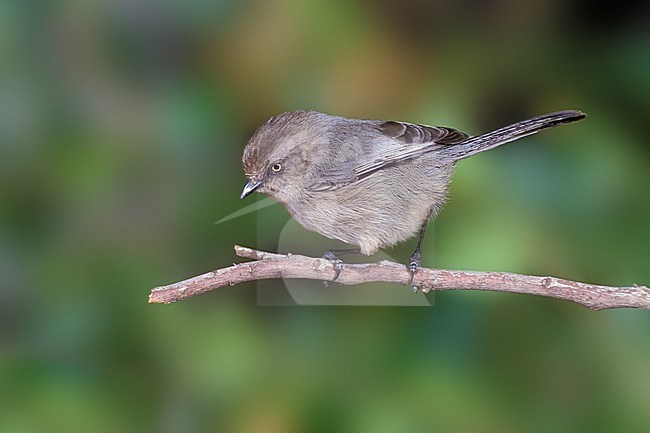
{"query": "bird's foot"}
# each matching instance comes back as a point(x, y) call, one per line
point(331, 257)
point(415, 263)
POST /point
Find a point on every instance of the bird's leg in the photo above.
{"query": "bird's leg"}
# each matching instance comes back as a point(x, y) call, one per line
point(334, 255)
point(416, 258)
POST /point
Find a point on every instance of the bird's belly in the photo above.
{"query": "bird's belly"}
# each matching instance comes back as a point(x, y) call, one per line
point(379, 211)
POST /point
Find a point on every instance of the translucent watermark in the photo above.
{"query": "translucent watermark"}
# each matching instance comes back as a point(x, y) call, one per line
point(293, 238)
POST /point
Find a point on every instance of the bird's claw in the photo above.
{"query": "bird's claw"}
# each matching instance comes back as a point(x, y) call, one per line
point(414, 264)
point(336, 263)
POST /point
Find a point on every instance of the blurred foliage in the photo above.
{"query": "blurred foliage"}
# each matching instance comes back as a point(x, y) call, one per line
point(121, 128)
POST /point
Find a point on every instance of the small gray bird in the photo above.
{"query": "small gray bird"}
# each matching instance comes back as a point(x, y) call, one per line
point(369, 183)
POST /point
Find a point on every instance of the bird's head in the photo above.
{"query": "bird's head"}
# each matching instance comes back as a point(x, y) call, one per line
point(278, 154)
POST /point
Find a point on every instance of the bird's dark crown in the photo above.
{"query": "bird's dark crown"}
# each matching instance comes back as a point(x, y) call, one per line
point(274, 138)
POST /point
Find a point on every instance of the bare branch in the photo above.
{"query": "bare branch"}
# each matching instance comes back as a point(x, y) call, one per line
point(270, 265)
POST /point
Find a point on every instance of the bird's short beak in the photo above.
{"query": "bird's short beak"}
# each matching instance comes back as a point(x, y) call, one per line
point(249, 188)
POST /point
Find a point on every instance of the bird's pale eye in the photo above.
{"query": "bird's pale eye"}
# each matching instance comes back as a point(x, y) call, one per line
point(277, 167)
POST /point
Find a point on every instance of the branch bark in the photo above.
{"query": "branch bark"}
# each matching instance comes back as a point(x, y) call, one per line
point(269, 265)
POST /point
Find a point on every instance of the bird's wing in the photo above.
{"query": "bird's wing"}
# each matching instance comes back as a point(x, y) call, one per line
point(411, 140)
point(410, 133)
point(389, 143)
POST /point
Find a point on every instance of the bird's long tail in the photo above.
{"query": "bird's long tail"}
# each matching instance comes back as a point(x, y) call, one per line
point(490, 140)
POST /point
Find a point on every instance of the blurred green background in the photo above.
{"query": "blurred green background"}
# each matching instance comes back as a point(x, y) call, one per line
point(121, 129)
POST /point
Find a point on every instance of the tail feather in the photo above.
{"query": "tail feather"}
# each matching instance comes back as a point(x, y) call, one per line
point(490, 140)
